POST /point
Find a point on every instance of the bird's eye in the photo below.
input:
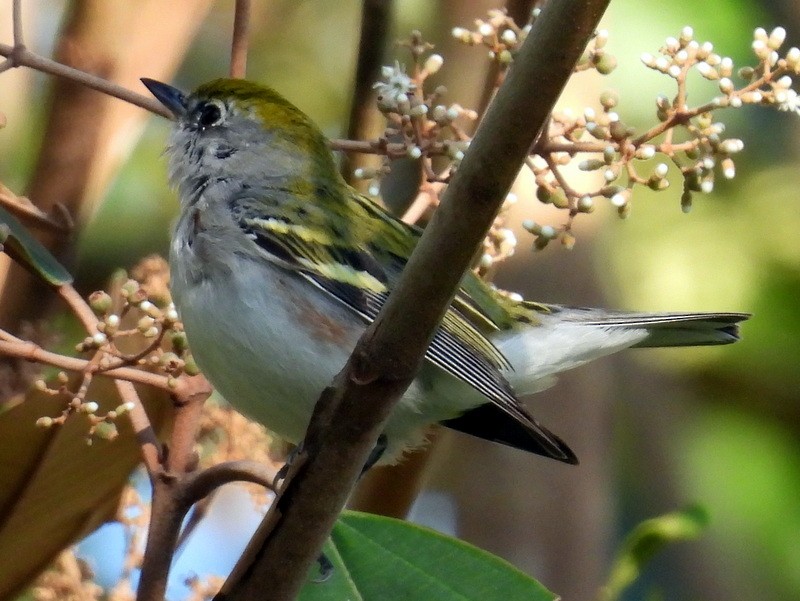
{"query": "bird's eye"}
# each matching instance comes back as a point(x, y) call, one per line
point(209, 114)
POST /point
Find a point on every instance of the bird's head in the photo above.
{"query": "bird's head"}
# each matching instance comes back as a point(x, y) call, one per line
point(244, 132)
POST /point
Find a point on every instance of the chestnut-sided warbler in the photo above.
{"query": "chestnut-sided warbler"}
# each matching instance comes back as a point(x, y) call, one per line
point(277, 265)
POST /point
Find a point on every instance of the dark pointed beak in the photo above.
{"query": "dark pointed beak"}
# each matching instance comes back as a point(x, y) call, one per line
point(172, 98)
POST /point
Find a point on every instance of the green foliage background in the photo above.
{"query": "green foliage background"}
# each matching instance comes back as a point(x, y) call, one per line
point(731, 425)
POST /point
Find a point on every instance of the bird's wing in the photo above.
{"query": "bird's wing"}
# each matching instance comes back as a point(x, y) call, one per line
point(360, 278)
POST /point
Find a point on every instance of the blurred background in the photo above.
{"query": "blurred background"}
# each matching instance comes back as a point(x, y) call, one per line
point(655, 430)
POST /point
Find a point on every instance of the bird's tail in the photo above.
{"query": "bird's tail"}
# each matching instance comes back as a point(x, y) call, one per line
point(666, 329)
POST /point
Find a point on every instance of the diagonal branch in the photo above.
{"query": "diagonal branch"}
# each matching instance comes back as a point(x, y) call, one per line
point(349, 417)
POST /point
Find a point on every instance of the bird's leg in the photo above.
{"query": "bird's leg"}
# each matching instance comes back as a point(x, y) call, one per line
point(375, 454)
point(284, 469)
point(325, 569)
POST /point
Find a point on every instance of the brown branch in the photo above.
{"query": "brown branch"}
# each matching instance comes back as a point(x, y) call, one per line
point(520, 11)
point(22, 57)
point(145, 434)
point(239, 43)
point(198, 485)
point(349, 417)
point(375, 27)
point(33, 352)
point(29, 213)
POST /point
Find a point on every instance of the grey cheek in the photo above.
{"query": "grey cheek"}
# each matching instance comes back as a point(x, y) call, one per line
point(221, 150)
point(224, 152)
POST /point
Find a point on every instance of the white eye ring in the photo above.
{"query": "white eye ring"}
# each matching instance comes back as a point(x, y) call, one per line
point(210, 113)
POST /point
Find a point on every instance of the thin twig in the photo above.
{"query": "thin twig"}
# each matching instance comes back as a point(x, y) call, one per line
point(375, 27)
point(22, 57)
point(239, 43)
point(30, 213)
point(198, 485)
point(31, 351)
point(16, 16)
point(148, 441)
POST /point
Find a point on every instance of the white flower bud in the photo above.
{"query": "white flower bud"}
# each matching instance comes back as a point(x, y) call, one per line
point(725, 85)
point(707, 71)
point(728, 168)
point(672, 44)
point(90, 407)
point(760, 49)
point(793, 57)
point(661, 170)
point(726, 66)
point(760, 34)
point(687, 33)
point(485, 29)
point(731, 146)
point(434, 63)
point(707, 186)
point(648, 59)
point(776, 38)
point(99, 339)
point(439, 113)
point(619, 200)
point(646, 151)
point(674, 71)
point(736, 102)
point(548, 231)
point(509, 37)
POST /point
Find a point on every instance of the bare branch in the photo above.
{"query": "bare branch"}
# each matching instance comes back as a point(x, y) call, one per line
point(199, 485)
point(22, 57)
point(239, 43)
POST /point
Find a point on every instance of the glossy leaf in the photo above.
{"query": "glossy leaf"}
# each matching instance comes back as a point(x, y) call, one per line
point(29, 252)
point(380, 558)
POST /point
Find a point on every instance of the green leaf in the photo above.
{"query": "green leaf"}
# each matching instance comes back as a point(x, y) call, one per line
point(29, 252)
point(380, 558)
point(647, 539)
